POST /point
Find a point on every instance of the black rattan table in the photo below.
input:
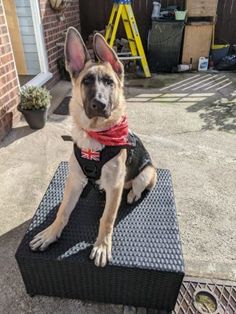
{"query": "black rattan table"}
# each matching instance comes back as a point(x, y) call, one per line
point(147, 267)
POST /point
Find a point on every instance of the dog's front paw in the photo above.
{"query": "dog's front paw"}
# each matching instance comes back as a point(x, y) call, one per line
point(132, 197)
point(101, 252)
point(43, 239)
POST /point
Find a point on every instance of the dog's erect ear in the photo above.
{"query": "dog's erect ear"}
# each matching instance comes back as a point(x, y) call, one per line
point(76, 54)
point(106, 54)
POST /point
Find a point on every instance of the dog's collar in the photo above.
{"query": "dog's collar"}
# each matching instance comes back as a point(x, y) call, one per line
point(117, 135)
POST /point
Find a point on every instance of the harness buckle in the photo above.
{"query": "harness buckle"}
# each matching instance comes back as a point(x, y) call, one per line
point(91, 172)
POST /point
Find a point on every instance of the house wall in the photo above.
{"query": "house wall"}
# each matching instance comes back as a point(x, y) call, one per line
point(9, 85)
point(24, 14)
point(54, 31)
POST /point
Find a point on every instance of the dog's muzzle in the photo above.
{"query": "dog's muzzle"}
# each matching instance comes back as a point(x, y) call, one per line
point(98, 107)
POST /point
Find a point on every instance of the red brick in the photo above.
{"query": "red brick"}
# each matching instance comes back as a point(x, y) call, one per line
point(8, 81)
point(6, 58)
point(2, 20)
point(54, 30)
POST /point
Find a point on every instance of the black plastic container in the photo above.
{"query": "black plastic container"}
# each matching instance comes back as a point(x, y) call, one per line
point(164, 45)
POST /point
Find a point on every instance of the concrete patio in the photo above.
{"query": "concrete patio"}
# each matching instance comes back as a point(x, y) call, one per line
point(187, 129)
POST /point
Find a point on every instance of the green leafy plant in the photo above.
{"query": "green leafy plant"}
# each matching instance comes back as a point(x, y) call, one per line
point(34, 98)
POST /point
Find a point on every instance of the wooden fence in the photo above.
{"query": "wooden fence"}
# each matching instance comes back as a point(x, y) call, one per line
point(226, 21)
point(94, 15)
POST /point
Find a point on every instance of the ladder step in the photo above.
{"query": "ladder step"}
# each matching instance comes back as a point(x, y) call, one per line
point(123, 53)
point(130, 58)
point(123, 9)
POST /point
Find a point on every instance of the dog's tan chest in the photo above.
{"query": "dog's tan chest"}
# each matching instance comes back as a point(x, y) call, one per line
point(82, 140)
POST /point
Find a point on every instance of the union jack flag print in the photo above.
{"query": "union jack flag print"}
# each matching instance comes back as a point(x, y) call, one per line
point(90, 154)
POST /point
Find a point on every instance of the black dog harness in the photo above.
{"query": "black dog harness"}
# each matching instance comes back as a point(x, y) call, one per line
point(91, 162)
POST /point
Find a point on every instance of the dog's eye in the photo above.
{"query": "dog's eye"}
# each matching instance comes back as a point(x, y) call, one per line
point(88, 80)
point(108, 81)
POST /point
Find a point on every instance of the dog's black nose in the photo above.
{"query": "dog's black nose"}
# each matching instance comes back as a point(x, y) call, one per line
point(98, 105)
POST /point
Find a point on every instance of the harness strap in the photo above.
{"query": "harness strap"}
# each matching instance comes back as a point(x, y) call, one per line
point(91, 162)
point(92, 168)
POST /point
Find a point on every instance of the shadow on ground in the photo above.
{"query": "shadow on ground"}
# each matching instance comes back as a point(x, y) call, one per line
point(16, 134)
point(13, 297)
point(218, 115)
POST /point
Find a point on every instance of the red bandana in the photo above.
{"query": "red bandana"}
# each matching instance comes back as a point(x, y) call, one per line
point(115, 136)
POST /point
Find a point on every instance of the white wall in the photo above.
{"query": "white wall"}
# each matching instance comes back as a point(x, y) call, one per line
point(24, 14)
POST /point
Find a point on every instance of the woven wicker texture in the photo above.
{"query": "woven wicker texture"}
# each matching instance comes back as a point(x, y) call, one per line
point(147, 255)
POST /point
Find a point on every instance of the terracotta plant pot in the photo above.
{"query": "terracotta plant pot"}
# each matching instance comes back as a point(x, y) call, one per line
point(35, 118)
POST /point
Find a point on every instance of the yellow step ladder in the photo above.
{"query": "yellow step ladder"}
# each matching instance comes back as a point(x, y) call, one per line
point(123, 9)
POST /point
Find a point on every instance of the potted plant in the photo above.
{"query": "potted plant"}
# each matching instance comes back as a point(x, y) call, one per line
point(34, 103)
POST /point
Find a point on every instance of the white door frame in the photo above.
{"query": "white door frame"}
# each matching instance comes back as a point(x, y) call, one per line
point(44, 75)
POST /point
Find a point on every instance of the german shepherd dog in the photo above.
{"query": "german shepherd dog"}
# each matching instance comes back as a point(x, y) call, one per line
point(98, 107)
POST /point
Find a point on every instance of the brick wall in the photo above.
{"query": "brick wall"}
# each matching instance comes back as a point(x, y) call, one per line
point(9, 86)
point(54, 28)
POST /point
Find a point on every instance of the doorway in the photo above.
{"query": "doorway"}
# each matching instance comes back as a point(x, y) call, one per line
point(24, 24)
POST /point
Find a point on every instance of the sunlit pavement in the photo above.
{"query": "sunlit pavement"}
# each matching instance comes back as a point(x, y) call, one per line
point(188, 124)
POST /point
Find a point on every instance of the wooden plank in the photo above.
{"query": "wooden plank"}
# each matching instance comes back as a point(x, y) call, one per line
point(166, 3)
point(14, 30)
point(141, 310)
point(201, 7)
point(197, 42)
